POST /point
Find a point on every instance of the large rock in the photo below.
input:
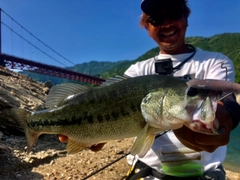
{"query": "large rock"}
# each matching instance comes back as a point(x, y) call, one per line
point(17, 90)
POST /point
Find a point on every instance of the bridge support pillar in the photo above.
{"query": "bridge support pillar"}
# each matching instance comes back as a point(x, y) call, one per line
point(2, 63)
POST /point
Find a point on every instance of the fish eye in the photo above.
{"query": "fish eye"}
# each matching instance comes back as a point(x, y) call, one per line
point(192, 91)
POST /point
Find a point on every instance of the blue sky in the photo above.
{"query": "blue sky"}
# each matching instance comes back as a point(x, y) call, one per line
point(102, 30)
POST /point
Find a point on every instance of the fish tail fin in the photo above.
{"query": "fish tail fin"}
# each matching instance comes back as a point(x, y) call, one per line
point(143, 142)
point(21, 116)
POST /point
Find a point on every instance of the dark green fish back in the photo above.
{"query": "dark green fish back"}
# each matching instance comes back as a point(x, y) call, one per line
point(108, 104)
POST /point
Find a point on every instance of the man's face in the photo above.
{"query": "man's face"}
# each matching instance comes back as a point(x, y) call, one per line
point(169, 34)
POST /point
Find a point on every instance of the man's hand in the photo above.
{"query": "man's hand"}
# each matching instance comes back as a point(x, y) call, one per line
point(95, 148)
point(202, 142)
point(62, 138)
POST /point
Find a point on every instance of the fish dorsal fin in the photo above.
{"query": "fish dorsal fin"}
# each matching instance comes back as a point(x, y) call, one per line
point(60, 92)
point(113, 80)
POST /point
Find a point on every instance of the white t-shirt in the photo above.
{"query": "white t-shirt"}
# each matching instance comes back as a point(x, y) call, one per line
point(203, 65)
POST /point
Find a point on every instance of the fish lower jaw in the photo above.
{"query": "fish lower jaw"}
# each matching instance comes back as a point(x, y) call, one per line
point(205, 128)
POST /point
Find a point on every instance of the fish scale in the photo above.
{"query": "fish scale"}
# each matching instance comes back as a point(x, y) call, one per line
point(120, 108)
point(106, 112)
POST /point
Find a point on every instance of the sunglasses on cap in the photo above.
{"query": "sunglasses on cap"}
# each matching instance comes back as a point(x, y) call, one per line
point(158, 17)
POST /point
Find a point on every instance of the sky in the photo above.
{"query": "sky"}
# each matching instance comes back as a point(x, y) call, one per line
point(102, 30)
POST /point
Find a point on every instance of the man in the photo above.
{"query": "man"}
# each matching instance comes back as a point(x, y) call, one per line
point(166, 22)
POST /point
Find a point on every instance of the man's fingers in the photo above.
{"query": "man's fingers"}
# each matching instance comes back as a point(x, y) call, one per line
point(62, 138)
point(196, 141)
point(186, 137)
point(217, 140)
point(203, 142)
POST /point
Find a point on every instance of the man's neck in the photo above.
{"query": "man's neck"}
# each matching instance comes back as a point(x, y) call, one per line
point(183, 49)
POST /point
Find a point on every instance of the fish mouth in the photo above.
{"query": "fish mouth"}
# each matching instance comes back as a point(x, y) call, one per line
point(203, 118)
point(202, 112)
point(201, 127)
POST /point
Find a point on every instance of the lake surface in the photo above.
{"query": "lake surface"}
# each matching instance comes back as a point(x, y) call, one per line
point(232, 161)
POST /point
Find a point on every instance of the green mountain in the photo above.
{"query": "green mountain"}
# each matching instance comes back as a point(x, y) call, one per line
point(102, 69)
point(225, 43)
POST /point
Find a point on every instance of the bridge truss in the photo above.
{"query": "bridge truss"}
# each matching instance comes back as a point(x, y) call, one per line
point(32, 66)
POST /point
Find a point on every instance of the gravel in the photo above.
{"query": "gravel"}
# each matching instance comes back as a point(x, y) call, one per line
point(49, 160)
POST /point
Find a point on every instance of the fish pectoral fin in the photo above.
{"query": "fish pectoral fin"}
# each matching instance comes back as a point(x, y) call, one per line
point(143, 142)
point(75, 147)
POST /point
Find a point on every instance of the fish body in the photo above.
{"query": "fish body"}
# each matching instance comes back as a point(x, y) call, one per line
point(119, 108)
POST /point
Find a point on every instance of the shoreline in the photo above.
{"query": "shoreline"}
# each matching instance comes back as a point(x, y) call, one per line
point(231, 168)
point(232, 175)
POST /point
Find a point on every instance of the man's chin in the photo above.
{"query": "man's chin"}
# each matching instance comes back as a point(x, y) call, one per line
point(169, 47)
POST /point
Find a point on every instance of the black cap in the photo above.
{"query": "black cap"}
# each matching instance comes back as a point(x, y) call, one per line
point(151, 7)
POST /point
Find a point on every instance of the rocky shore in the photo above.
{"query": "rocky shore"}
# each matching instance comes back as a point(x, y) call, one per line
point(48, 159)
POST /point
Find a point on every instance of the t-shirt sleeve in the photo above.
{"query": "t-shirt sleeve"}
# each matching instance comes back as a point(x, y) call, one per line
point(131, 71)
point(141, 68)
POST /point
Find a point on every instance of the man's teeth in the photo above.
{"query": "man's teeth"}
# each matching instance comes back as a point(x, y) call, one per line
point(168, 34)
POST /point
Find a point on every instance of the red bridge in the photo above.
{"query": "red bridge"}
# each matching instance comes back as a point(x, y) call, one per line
point(15, 62)
point(28, 65)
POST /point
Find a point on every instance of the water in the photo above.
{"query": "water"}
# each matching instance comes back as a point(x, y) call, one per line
point(232, 161)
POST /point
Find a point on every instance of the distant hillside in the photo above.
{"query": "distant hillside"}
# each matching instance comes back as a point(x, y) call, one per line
point(225, 43)
point(102, 69)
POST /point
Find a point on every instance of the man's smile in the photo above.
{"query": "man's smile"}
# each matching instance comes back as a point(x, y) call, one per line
point(167, 34)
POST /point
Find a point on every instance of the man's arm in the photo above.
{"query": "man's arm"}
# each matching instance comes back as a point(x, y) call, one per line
point(233, 109)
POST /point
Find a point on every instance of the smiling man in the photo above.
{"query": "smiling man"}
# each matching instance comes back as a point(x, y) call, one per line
point(182, 153)
point(166, 22)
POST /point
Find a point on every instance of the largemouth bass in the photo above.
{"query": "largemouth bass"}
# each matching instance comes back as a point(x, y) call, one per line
point(120, 108)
